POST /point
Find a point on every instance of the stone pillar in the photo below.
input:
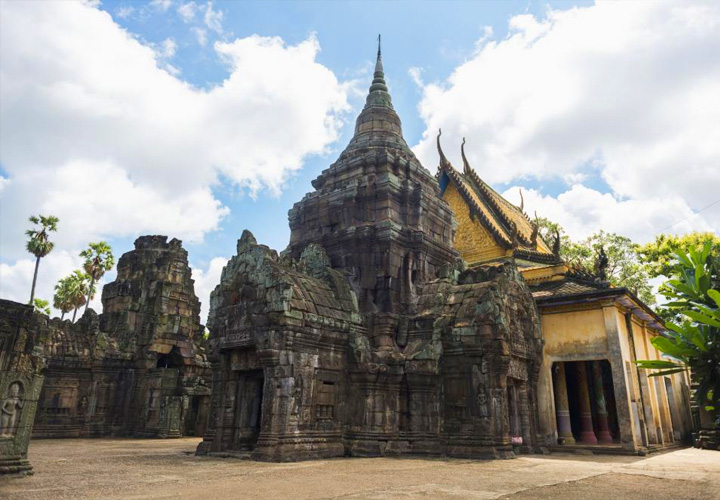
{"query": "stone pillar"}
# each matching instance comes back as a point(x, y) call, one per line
point(587, 435)
point(562, 408)
point(603, 425)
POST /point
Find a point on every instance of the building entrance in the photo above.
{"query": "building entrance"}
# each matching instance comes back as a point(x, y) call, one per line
point(585, 402)
point(248, 409)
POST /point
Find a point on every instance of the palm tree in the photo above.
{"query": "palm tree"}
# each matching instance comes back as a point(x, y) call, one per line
point(77, 285)
point(98, 259)
point(65, 292)
point(39, 244)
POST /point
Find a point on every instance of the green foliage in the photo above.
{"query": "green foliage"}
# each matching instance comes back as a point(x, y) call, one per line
point(41, 306)
point(71, 291)
point(98, 259)
point(659, 255)
point(694, 340)
point(624, 268)
point(38, 243)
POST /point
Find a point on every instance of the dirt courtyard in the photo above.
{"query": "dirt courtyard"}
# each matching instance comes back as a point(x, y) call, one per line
point(133, 468)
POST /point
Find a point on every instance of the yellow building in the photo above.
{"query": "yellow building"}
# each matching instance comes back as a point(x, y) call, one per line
point(590, 391)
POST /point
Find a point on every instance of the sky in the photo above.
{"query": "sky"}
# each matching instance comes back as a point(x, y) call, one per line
point(198, 119)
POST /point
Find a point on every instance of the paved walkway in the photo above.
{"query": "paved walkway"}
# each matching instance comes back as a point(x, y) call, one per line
point(132, 468)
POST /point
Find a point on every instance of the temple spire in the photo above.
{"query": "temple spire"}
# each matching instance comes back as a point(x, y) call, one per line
point(378, 125)
point(378, 95)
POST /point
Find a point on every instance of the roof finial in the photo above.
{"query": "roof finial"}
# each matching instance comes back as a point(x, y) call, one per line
point(443, 161)
point(466, 165)
point(379, 52)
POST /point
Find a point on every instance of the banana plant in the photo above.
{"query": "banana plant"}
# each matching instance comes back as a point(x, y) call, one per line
point(694, 341)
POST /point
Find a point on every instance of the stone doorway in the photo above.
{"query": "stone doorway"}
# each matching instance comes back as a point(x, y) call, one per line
point(248, 411)
point(585, 403)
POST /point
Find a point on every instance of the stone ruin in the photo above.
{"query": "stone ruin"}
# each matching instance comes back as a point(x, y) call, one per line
point(139, 368)
point(21, 367)
point(367, 336)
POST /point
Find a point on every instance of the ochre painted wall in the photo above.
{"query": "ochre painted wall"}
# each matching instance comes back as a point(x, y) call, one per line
point(574, 332)
point(472, 240)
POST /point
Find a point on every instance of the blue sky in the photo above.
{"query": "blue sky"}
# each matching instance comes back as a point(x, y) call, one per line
point(199, 119)
point(433, 36)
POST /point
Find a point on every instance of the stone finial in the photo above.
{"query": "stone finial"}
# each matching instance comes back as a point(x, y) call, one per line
point(522, 201)
point(246, 241)
point(466, 164)
point(314, 261)
point(444, 163)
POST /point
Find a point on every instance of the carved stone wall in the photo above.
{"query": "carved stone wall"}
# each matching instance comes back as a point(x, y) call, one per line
point(20, 381)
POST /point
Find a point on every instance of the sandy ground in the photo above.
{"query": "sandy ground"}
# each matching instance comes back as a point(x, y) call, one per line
point(131, 468)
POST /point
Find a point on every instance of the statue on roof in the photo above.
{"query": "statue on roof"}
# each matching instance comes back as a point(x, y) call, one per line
point(556, 246)
point(601, 264)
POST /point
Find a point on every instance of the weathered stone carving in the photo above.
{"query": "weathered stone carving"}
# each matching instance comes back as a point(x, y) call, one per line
point(10, 410)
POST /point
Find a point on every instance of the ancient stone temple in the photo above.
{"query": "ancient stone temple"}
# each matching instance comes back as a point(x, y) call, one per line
point(139, 368)
point(20, 382)
point(368, 336)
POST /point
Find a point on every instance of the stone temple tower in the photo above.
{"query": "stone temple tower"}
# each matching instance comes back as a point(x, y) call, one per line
point(367, 337)
point(376, 211)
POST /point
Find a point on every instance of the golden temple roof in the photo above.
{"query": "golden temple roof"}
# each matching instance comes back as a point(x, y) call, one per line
point(508, 223)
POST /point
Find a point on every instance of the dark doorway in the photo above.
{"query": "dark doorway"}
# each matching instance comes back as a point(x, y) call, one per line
point(593, 385)
point(248, 410)
point(514, 412)
point(173, 359)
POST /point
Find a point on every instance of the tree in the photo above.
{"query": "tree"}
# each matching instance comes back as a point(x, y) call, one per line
point(39, 243)
point(42, 306)
point(694, 340)
point(70, 292)
point(659, 255)
point(98, 259)
point(624, 267)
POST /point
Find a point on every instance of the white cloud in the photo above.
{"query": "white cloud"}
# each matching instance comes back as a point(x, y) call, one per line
point(205, 282)
point(94, 131)
point(161, 5)
point(200, 35)
point(631, 87)
point(581, 211)
point(214, 18)
point(187, 11)
point(124, 12)
point(169, 47)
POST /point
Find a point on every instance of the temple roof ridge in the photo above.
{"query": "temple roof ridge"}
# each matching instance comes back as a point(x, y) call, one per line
point(505, 220)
